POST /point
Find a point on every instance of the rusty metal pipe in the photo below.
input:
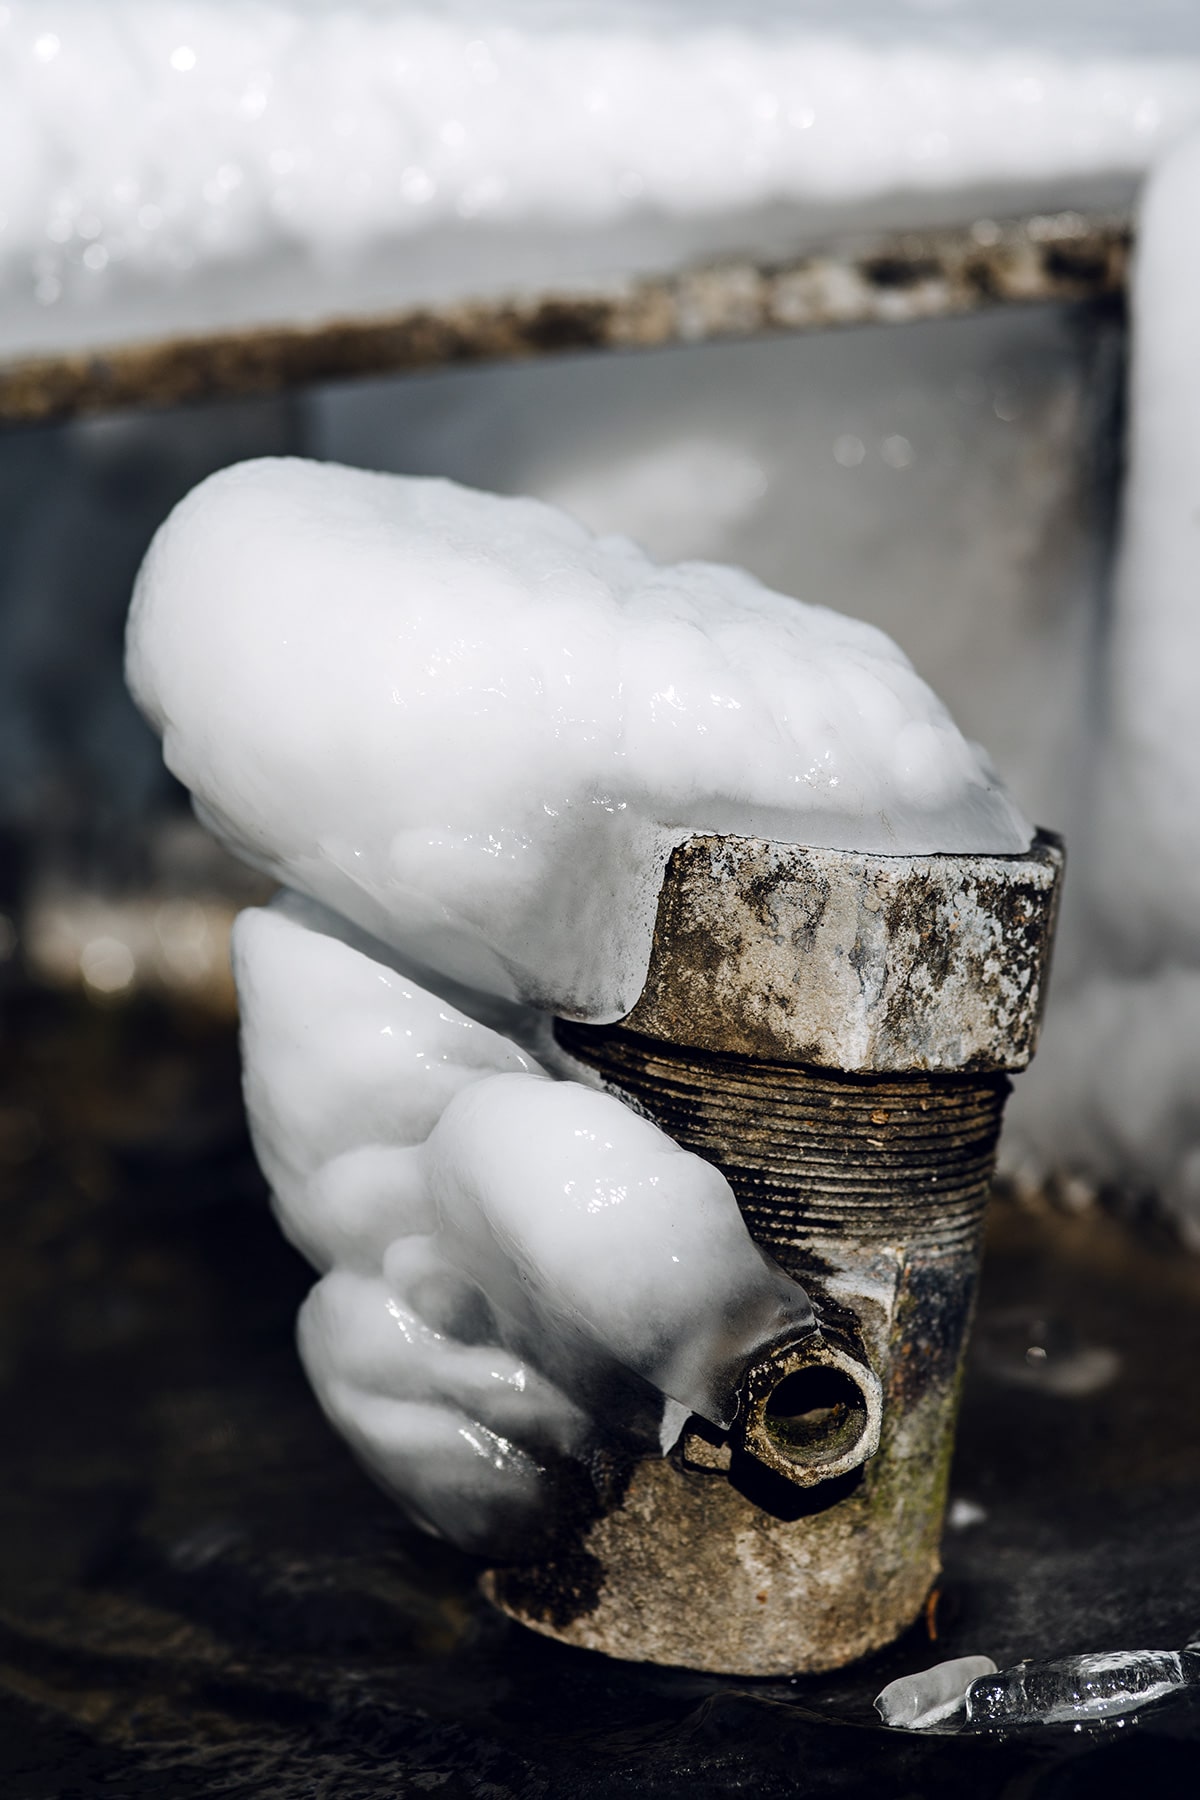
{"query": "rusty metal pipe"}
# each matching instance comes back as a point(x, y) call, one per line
point(834, 1031)
point(811, 1412)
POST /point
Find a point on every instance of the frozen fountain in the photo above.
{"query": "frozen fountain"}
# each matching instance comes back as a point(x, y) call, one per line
point(642, 1268)
point(689, 1318)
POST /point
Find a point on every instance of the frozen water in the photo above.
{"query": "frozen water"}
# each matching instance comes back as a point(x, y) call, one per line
point(973, 555)
point(1101, 1685)
point(595, 1236)
point(932, 1696)
point(472, 732)
point(1063, 1690)
point(1146, 867)
point(477, 731)
point(504, 1256)
point(1113, 1093)
point(347, 1066)
point(328, 156)
point(459, 1433)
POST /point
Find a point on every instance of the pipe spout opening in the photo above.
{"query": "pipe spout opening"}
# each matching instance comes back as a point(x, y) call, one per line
point(812, 1410)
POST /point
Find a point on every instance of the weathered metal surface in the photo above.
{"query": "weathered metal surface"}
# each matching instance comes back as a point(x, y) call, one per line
point(881, 1159)
point(698, 1571)
point(914, 275)
point(830, 1030)
point(813, 1412)
point(839, 960)
point(870, 1191)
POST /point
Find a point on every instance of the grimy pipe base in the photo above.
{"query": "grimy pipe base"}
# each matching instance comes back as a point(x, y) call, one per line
point(871, 1191)
point(833, 1031)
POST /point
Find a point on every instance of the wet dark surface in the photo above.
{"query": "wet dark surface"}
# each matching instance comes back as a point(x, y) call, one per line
point(200, 1594)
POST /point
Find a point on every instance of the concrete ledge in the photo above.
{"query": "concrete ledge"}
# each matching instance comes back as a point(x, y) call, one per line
point(1066, 257)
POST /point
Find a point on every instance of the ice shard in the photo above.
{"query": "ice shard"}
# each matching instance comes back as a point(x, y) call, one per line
point(932, 1696)
point(1065, 1689)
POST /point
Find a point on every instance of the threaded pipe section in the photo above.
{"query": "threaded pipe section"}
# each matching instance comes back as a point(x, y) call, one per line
point(811, 1153)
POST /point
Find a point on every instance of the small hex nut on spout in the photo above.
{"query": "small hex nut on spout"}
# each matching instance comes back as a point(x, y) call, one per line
point(811, 1411)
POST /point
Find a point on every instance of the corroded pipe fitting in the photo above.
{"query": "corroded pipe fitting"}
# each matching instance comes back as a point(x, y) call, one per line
point(834, 1031)
point(812, 1412)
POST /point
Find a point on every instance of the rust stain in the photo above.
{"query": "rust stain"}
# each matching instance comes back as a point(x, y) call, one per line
point(890, 280)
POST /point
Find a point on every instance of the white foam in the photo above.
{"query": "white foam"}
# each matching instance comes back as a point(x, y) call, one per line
point(477, 731)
